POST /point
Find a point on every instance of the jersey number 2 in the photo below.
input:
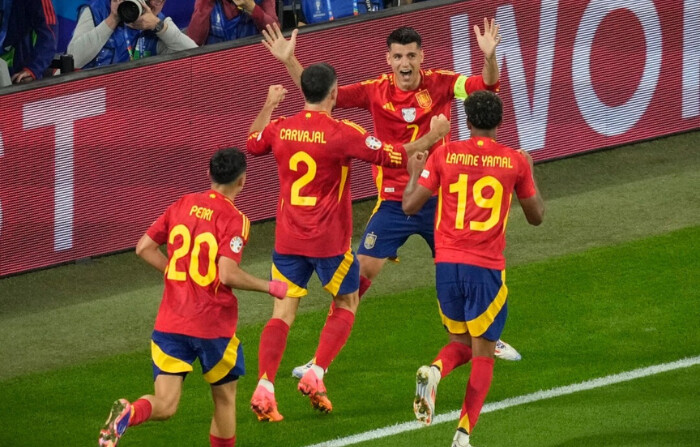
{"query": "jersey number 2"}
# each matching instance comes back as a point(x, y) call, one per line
point(494, 203)
point(302, 157)
point(196, 248)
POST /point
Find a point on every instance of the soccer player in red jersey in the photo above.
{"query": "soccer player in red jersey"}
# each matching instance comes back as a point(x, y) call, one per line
point(402, 104)
point(475, 180)
point(313, 231)
point(205, 234)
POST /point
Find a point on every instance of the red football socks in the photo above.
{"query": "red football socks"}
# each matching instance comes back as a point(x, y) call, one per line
point(365, 283)
point(477, 389)
point(272, 343)
point(451, 356)
point(334, 335)
point(221, 442)
point(140, 412)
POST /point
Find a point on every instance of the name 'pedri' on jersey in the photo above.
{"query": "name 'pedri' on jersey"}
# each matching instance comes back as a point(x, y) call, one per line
point(403, 116)
point(313, 152)
point(199, 228)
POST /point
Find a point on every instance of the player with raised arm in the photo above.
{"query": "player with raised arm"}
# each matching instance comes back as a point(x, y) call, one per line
point(313, 152)
point(402, 104)
point(205, 234)
point(475, 180)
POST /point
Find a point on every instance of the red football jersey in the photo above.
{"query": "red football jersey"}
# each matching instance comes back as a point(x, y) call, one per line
point(475, 180)
point(313, 153)
point(402, 116)
point(199, 228)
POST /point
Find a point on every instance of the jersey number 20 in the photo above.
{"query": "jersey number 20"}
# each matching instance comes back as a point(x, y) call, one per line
point(196, 248)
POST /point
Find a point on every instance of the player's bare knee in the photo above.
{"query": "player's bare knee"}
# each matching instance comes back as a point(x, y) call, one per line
point(464, 339)
point(349, 301)
point(370, 266)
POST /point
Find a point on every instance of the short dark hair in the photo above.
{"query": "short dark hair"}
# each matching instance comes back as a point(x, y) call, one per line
point(404, 36)
point(227, 165)
point(316, 82)
point(484, 109)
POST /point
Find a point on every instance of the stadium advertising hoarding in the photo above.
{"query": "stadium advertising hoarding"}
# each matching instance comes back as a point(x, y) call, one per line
point(86, 165)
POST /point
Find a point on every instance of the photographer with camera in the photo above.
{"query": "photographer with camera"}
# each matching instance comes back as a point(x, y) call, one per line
point(113, 31)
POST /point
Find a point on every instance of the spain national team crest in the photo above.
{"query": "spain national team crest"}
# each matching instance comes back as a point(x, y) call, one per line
point(236, 244)
point(409, 114)
point(424, 99)
point(370, 240)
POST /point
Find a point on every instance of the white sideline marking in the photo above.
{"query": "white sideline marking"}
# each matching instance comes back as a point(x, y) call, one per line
point(513, 401)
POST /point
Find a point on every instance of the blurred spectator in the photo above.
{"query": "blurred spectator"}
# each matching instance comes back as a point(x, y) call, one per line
point(101, 38)
point(221, 20)
point(27, 39)
point(316, 11)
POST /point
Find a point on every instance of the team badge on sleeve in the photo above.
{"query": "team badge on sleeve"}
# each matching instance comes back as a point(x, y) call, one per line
point(409, 114)
point(373, 143)
point(236, 244)
point(425, 173)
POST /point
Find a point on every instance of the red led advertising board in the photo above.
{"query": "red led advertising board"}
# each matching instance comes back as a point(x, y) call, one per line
point(86, 165)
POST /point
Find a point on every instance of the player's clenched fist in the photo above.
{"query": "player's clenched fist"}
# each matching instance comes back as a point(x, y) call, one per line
point(275, 95)
point(440, 124)
point(417, 161)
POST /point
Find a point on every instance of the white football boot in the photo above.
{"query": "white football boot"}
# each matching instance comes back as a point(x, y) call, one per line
point(461, 439)
point(427, 379)
point(506, 352)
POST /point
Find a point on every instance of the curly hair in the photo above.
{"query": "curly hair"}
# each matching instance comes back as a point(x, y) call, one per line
point(484, 109)
point(226, 165)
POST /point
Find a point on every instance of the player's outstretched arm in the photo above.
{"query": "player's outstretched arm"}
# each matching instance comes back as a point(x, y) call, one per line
point(439, 129)
point(235, 277)
point(415, 195)
point(488, 43)
point(283, 50)
point(275, 95)
point(149, 251)
point(533, 207)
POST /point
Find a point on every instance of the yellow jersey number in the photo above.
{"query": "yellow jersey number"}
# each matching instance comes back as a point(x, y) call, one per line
point(493, 203)
point(294, 161)
point(193, 250)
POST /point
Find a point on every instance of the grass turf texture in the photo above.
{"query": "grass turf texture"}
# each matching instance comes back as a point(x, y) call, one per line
point(577, 317)
point(97, 316)
point(57, 317)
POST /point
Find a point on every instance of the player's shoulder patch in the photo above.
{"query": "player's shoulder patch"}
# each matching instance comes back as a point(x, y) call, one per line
point(373, 143)
point(236, 244)
point(355, 126)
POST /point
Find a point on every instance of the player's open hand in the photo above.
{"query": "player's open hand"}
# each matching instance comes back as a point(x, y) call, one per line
point(490, 39)
point(440, 125)
point(416, 162)
point(275, 95)
point(282, 49)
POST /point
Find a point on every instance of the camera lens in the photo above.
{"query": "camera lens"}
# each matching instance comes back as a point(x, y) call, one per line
point(129, 10)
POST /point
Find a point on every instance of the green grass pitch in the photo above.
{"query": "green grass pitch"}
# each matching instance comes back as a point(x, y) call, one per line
point(608, 284)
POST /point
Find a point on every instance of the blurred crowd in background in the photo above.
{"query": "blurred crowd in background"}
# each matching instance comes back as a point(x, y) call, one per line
point(41, 38)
